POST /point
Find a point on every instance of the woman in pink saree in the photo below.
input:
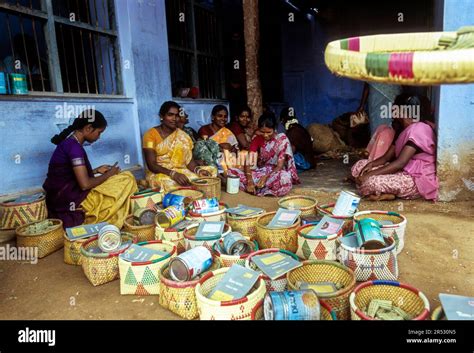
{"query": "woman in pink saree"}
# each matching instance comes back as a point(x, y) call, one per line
point(275, 172)
point(408, 169)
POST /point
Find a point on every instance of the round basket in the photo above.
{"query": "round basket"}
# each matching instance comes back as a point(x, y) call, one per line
point(438, 314)
point(191, 241)
point(142, 278)
point(273, 285)
point(180, 297)
point(327, 271)
point(13, 215)
point(72, 250)
point(281, 238)
point(247, 226)
point(217, 216)
point(327, 313)
point(370, 265)
point(407, 298)
point(172, 235)
point(326, 210)
point(395, 230)
point(430, 58)
point(238, 309)
point(191, 192)
point(143, 233)
point(145, 199)
point(210, 186)
point(316, 247)
point(103, 267)
point(306, 204)
point(228, 260)
point(47, 242)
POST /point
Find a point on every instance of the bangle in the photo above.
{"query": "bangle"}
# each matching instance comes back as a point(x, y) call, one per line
point(195, 170)
point(172, 174)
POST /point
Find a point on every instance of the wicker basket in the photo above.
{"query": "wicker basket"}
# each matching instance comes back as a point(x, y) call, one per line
point(327, 313)
point(72, 250)
point(326, 210)
point(191, 192)
point(145, 199)
point(306, 204)
point(395, 230)
point(438, 314)
point(238, 309)
point(316, 247)
point(370, 265)
point(143, 278)
point(101, 268)
point(217, 216)
point(228, 260)
point(281, 238)
point(210, 187)
point(406, 297)
point(247, 226)
point(327, 271)
point(143, 233)
point(180, 297)
point(173, 236)
point(191, 242)
point(46, 242)
point(273, 285)
point(13, 215)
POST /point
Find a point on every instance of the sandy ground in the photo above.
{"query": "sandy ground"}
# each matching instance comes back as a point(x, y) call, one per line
point(438, 258)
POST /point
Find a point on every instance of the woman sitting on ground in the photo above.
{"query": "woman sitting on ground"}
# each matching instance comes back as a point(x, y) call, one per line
point(168, 152)
point(182, 121)
point(73, 193)
point(407, 170)
point(275, 173)
point(240, 127)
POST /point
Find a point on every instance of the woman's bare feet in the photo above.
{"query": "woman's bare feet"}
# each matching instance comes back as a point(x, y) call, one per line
point(382, 197)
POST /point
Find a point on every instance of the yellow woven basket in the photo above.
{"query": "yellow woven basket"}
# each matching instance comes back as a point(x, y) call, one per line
point(406, 297)
point(281, 238)
point(239, 309)
point(143, 233)
point(14, 215)
point(72, 250)
point(327, 271)
point(191, 241)
point(101, 268)
point(191, 192)
point(306, 204)
point(228, 260)
point(209, 186)
point(180, 297)
point(316, 247)
point(217, 216)
point(326, 210)
point(173, 236)
point(145, 199)
point(247, 226)
point(46, 242)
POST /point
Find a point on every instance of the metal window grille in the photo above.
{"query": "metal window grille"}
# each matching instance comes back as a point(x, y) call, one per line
point(64, 46)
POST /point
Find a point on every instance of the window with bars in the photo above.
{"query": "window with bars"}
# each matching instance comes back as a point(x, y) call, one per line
point(195, 47)
point(64, 46)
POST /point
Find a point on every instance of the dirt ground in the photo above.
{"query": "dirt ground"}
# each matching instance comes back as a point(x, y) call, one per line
point(438, 258)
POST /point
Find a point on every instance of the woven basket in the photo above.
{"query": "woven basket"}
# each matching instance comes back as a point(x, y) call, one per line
point(281, 238)
point(247, 226)
point(191, 242)
point(173, 236)
point(72, 250)
point(395, 230)
point(191, 192)
point(370, 265)
point(143, 278)
point(327, 271)
point(327, 313)
point(217, 216)
point(306, 204)
point(101, 268)
point(407, 298)
point(16, 215)
point(326, 210)
point(46, 242)
point(228, 260)
point(210, 187)
point(238, 309)
point(273, 285)
point(438, 314)
point(316, 247)
point(180, 297)
point(145, 199)
point(143, 233)
point(404, 58)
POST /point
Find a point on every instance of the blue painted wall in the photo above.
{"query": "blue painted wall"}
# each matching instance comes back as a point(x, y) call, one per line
point(199, 111)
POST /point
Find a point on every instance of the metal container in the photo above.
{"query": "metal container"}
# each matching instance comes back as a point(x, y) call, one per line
point(18, 84)
point(206, 205)
point(368, 233)
point(235, 244)
point(110, 238)
point(176, 200)
point(233, 184)
point(144, 216)
point(346, 204)
point(292, 305)
point(190, 264)
point(169, 217)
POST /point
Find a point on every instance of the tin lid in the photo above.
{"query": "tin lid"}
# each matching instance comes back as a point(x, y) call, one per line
point(178, 270)
point(110, 238)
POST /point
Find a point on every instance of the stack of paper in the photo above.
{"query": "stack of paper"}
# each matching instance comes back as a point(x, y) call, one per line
point(209, 229)
point(275, 265)
point(326, 226)
point(244, 211)
point(284, 218)
point(137, 253)
point(236, 283)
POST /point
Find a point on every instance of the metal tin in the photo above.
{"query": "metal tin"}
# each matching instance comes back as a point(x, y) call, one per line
point(346, 204)
point(110, 238)
point(292, 305)
point(176, 200)
point(235, 244)
point(233, 184)
point(190, 264)
point(206, 205)
point(18, 84)
point(369, 235)
point(144, 216)
point(169, 217)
